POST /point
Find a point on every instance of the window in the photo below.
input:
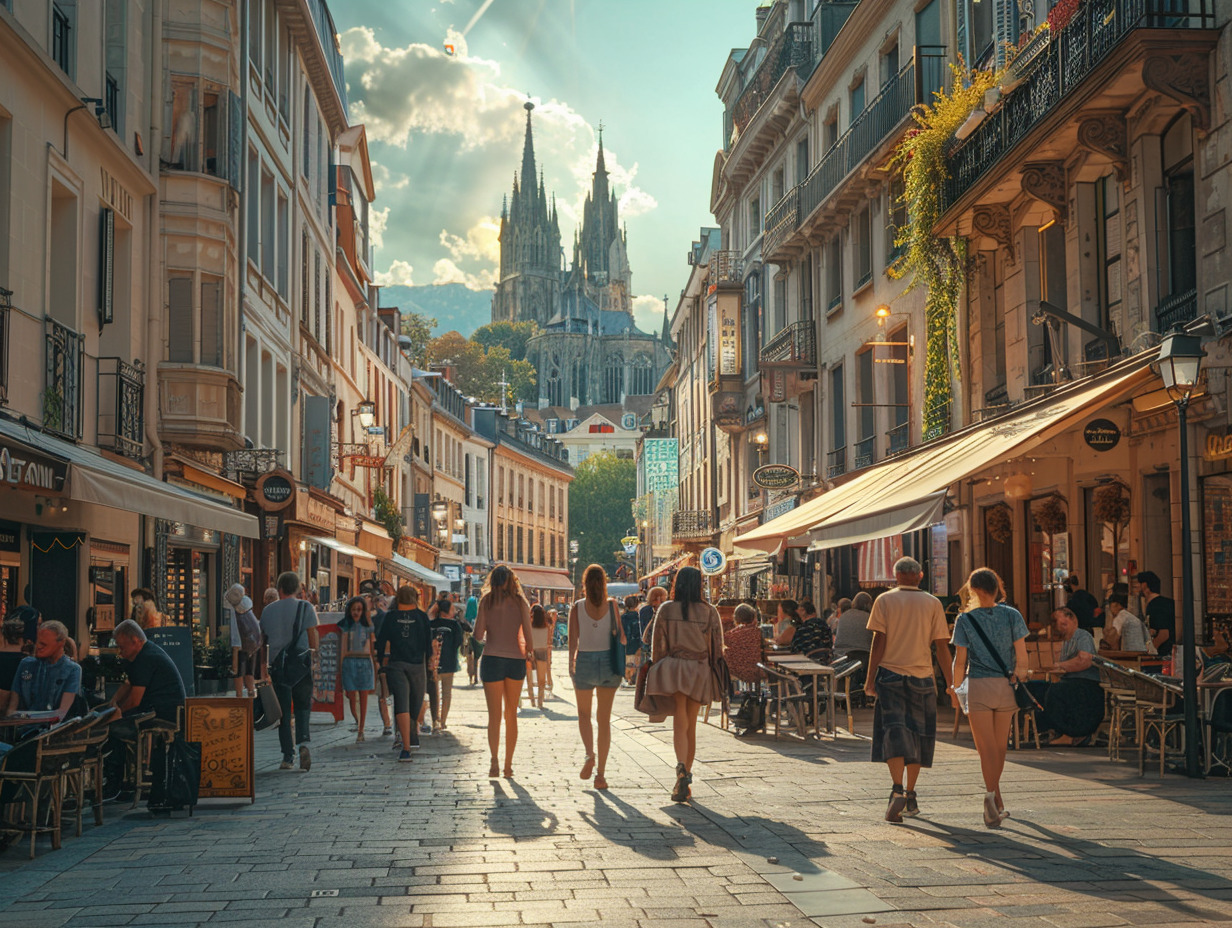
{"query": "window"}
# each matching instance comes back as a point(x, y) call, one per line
point(802, 160)
point(521, 490)
point(284, 76)
point(643, 376)
point(1108, 206)
point(271, 47)
point(776, 185)
point(752, 323)
point(284, 244)
point(212, 321)
point(864, 246)
point(6, 187)
point(889, 65)
point(65, 245)
point(520, 548)
point(303, 280)
point(838, 410)
point(309, 120)
point(254, 207)
point(63, 16)
point(530, 496)
point(599, 428)
point(780, 304)
point(254, 32)
point(1178, 273)
point(500, 542)
point(896, 218)
point(613, 379)
point(197, 130)
point(500, 486)
point(829, 132)
point(866, 413)
point(834, 274)
point(180, 320)
point(857, 99)
point(267, 225)
point(316, 295)
point(115, 63)
point(755, 218)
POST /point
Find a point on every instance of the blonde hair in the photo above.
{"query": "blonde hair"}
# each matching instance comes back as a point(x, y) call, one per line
point(149, 616)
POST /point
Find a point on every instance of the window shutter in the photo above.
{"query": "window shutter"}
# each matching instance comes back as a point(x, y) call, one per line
point(235, 142)
point(211, 321)
point(180, 320)
point(106, 266)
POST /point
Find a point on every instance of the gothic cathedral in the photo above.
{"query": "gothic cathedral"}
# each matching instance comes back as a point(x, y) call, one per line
point(588, 351)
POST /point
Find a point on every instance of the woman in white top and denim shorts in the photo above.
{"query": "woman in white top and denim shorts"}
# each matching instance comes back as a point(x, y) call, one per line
point(592, 622)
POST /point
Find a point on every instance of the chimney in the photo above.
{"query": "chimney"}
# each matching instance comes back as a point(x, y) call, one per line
point(762, 13)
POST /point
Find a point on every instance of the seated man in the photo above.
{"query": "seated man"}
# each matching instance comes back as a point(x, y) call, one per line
point(153, 685)
point(814, 634)
point(48, 681)
point(852, 633)
point(1125, 631)
point(1074, 704)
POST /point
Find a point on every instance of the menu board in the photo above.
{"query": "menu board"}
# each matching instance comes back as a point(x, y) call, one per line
point(176, 640)
point(1217, 542)
point(327, 669)
point(223, 726)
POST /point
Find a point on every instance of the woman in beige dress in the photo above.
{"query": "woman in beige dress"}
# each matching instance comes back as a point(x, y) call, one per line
point(686, 639)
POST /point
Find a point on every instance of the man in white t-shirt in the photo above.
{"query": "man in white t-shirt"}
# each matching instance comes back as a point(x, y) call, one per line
point(1125, 632)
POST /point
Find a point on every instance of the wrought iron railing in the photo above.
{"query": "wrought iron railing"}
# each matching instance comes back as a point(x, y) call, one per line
point(836, 462)
point(1175, 310)
point(898, 439)
point(782, 219)
point(792, 49)
point(1055, 74)
point(248, 464)
point(724, 267)
point(62, 388)
point(121, 406)
point(6, 305)
point(865, 451)
point(795, 346)
point(692, 524)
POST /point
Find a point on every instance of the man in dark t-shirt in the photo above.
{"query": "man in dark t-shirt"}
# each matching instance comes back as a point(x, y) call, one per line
point(1082, 604)
point(154, 683)
point(1160, 613)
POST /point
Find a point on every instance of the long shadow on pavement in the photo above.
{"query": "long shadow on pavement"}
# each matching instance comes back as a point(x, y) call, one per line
point(757, 835)
point(518, 815)
point(629, 827)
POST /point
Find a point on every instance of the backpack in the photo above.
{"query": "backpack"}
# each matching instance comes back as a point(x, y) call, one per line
point(250, 632)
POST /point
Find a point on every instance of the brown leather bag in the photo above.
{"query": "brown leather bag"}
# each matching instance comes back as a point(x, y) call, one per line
point(656, 707)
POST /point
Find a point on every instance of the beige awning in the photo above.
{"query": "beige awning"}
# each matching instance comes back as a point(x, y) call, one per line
point(362, 558)
point(869, 526)
point(883, 496)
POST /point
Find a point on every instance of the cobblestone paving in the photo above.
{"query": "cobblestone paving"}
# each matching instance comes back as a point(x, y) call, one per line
point(779, 834)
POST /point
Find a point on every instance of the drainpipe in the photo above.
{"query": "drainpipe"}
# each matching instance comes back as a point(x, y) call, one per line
point(154, 328)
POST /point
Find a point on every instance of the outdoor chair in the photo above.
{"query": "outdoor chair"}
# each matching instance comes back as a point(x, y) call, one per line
point(86, 775)
point(1120, 705)
point(1155, 700)
point(787, 695)
point(1218, 723)
point(32, 774)
point(845, 672)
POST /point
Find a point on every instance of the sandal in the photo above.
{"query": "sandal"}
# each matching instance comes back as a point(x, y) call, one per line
point(508, 773)
point(359, 739)
point(600, 781)
point(494, 770)
point(588, 768)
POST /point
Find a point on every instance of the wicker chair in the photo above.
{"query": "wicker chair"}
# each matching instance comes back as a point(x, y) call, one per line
point(1121, 705)
point(85, 774)
point(33, 771)
point(787, 695)
point(1154, 702)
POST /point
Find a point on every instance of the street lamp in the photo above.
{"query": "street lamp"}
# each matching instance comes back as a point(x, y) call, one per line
point(1180, 361)
point(365, 411)
point(762, 442)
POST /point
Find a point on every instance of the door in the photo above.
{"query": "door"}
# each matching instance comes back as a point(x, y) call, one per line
point(53, 576)
point(1157, 528)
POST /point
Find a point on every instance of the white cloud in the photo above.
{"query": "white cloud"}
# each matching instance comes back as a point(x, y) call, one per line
point(385, 179)
point(648, 313)
point(447, 272)
point(378, 220)
point(482, 241)
point(399, 274)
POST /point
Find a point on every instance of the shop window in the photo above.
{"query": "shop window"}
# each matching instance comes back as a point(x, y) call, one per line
point(1107, 510)
point(1048, 561)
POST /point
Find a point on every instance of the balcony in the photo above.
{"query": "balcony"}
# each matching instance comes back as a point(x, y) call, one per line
point(692, 525)
point(1176, 310)
point(792, 49)
point(865, 452)
point(1089, 60)
point(64, 354)
point(836, 462)
point(724, 269)
point(794, 348)
point(898, 439)
point(247, 464)
point(121, 407)
point(199, 407)
point(6, 305)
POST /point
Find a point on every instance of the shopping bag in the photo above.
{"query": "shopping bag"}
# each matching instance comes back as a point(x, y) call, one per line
point(266, 710)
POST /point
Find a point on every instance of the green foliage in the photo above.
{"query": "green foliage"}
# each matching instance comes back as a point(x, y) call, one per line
point(478, 371)
point(510, 335)
point(418, 328)
point(935, 263)
point(387, 514)
point(600, 495)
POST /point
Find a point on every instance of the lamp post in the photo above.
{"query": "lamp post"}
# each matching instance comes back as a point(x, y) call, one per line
point(365, 412)
point(1180, 361)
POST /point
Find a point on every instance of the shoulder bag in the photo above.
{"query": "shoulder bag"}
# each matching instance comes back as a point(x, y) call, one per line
point(1022, 695)
point(290, 665)
point(616, 647)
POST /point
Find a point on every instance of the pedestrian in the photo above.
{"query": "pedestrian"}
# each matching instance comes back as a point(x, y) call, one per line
point(1160, 613)
point(990, 640)
point(541, 640)
point(503, 628)
point(906, 621)
point(407, 634)
point(243, 661)
point(788, 620)
point(358, 655)
point(686, 643)
point(631, 623)
point(290, 626)
point(376, 610)
point(447, 630)
point(592, 626)
point(655, 597)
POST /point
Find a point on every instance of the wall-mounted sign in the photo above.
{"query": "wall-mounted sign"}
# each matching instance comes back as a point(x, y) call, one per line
point(275, 490)
point(713, 561)
point(10, 536)
point(776, 477)
point(1218, 447)
point(1101, 434)
point(25, 469)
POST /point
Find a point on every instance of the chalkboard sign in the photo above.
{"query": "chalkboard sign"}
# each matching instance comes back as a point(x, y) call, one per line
point(327, 670)
point(223, 725)
point(176, 640)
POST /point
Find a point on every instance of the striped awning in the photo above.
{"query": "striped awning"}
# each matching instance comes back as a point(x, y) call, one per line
point(877, 559)
point(671, 565)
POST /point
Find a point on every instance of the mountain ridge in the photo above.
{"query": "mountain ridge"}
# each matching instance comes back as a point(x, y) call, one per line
point(455, 307)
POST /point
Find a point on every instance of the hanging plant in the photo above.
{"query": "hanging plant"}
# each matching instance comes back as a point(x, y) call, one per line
point(934, 262)
point(1050, 515)
point(999, 523)
point(1111, 504)
point(387, 514)
point(1060, 15)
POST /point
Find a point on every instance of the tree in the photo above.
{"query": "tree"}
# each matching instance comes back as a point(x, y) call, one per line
point(478, 373)
point(418, 328)
point(511, 335)
point(599, 498)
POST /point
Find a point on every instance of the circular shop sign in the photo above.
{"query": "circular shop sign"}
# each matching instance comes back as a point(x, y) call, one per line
point(776, 477)
point(1101, 434)
point(713, 561)
point(275, 490)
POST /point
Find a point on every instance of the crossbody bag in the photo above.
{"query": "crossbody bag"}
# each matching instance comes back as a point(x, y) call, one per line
point(1022, 695)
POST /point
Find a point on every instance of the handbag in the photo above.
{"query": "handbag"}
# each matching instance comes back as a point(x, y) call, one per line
point(1022, 695)
point(655, 706)
point(289, 666)
point(267, 710)
point(176, 780)
point(616, 647)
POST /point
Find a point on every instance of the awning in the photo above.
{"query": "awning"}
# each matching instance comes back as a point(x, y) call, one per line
point(101, 481)
point(670, 565)
point(879, 500)
point(361, 557)
point(910, 518)
point(544, 579)
point(375, 540)
point(414, 571)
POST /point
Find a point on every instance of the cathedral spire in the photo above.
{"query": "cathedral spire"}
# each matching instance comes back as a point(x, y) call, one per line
point(528, 152)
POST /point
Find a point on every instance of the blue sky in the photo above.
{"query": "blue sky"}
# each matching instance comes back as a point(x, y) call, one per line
point(445, 133)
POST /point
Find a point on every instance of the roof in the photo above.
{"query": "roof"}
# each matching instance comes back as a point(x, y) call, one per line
point(639, 405)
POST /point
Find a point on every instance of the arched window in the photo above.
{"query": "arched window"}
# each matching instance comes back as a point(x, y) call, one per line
point(579, 383)
point(553, 383)
point(642, 376)
point(613, 378)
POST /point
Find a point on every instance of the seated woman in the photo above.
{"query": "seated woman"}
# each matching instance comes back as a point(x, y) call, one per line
point(744, 645)
point(788, 621)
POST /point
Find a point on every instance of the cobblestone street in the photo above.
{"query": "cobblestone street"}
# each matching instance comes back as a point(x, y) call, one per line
point(779, 833)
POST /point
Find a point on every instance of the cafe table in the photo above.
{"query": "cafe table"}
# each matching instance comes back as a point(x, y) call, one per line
point(1210, 691)
point(801, 666)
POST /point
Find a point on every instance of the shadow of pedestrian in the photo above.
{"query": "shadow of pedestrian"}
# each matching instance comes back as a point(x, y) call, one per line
point(752, 834)
point(1126, 874)
point(517, 815)
point(623, 824)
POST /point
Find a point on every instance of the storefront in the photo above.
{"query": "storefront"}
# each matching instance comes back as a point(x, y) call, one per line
point(427, 581)
point(546, 586)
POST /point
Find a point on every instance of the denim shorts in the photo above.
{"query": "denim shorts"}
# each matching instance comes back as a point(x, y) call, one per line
point(494, 669)
point(593, 668)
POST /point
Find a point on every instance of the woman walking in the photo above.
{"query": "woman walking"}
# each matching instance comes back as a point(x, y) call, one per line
point(989, 645)
point(592, 626)
point(502, 628)
point(686, 642)
point(448, 631)
point(358, 673)
point(407, 633)
point(541, 640)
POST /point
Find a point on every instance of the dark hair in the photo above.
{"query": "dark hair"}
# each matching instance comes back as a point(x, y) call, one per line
point(687, 587)
point(444, 608)
point(862, 602)
point(985, 580)
point(631, 601)
point(594, 582)
point(538, 616)
point(745, 614)
point(288, 583)
point(14, 629)
point(348, 622)
point(1151, 579)
point(1067, 612)
point(792, 608)
point(808, 608)
point(407, 596)
point(1120, 599)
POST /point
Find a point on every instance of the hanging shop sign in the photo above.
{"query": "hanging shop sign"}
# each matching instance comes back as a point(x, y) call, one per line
point(776, 477)
point(275, 490)
point(25, 469)
point(1101, 434)
point(712, 561)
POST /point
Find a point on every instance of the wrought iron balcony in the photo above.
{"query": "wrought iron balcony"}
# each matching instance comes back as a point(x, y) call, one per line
point(792, 49)
point(1175, 310)
point(782, 219)
point(121, 406)
point(692, 525)
point(898, 439)
point(724, 268)
point(865, 452)
point(1055, 75)
point(836, 462)
point(793, 348)
point(64, 356)
point(6, 305)
point(247, 464)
